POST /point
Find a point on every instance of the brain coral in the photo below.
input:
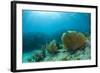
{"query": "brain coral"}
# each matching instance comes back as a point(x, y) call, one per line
point(73, 40)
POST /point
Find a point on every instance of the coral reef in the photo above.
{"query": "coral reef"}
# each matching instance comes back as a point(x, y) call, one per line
point(30, 60)
point(73, 40)
point(57, 51)
point(37, 56)
point(52, 47)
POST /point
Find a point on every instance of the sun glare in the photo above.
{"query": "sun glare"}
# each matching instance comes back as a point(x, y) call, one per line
point(46, 14)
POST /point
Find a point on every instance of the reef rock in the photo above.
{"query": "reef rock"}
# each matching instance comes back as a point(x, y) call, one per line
point(38, 55)
point(73, 40)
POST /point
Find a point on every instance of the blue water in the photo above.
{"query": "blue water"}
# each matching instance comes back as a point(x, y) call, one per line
point(39, 27)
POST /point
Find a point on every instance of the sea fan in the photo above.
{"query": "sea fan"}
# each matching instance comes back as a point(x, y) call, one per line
point(73, 40)
point(52, 47)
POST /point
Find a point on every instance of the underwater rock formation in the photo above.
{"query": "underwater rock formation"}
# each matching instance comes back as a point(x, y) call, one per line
point(37, 56)
point(73, 40)
point(52, 47)
point(30, 60)
point(64, 59)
